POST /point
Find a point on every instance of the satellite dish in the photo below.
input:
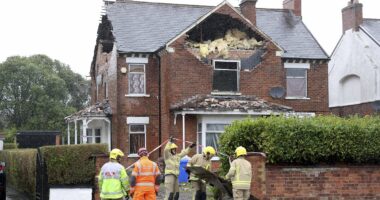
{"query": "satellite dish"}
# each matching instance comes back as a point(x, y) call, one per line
point(277, 92)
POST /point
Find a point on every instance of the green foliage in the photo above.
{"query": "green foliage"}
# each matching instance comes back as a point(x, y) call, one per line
point(20, 169)
point(323, 139)
point(8, 146)
point(10, 135)
point(37, 92)
point(71, 164)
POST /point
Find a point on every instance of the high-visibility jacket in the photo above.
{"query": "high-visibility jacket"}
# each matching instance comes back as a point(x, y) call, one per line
point(145, 174)
point(172, 161)
point(113, 181)
point(240, 174)
point(199, 160)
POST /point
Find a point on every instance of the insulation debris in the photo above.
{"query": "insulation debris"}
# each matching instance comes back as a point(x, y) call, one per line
point(234, 39)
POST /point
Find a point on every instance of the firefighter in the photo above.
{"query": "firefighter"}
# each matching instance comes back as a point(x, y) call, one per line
point(172, 168)
point(113, 178)
point(145, 179)
point(201, 160)
point(241, 174)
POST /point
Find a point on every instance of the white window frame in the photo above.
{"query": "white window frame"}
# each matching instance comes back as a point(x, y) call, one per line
point(93, 135)
point(238, 75)
point(303, 66)
point(129, 137)
point(129, 72)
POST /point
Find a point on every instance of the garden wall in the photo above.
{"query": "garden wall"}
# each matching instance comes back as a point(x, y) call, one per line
point(314, 182)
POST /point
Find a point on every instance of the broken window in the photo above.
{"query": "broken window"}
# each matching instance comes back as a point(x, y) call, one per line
point(226, 76)
point(136, 79)
point(296, 82)
point(93, 135)
point(137, 136)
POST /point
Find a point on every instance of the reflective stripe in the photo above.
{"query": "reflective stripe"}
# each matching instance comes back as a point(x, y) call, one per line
point(146, 174)
point(112, 193)
point(145, 184)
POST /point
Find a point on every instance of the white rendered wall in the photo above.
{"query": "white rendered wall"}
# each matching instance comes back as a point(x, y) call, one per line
point(70, 194)
point(357, 57)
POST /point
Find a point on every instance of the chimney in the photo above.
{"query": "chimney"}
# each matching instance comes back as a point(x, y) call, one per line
point(248, 9)
point(352, 15)
point(294, 5)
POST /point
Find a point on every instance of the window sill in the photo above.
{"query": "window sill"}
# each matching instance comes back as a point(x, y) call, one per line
point(297, 98)
point(137, 95)
point(133, 155)
point(226, 93)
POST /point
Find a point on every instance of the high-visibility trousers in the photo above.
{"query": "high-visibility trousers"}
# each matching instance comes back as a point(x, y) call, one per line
point(144, 195)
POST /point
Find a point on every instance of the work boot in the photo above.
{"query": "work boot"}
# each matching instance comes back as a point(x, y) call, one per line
point(176, 196)
point(203, 196)
point(171, 196)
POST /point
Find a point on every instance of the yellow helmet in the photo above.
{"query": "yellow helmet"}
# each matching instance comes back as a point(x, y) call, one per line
point(240, 151)
point(115, 153)
point(209, 150)
point(173, 146)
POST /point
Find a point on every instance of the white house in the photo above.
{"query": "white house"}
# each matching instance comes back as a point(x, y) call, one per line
point(354, 69)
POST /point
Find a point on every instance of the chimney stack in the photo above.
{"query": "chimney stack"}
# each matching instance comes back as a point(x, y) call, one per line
point(248, 9)
point(294, 5)
point(352, 15)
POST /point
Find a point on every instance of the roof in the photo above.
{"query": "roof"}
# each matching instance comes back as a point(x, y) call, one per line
point(228, 103)
point(102, 109)
point(146, 27)
point(373, 28)
point(290, 33)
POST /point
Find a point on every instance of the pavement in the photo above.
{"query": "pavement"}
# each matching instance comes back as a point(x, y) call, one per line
point(12, 194)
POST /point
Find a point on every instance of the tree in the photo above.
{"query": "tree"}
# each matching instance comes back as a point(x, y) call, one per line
point(37, 92)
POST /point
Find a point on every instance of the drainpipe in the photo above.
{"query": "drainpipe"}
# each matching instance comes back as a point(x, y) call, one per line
point(183, 131)
point(159, 103)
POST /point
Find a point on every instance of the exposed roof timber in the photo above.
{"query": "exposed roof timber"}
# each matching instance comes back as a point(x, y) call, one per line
point(200, 20)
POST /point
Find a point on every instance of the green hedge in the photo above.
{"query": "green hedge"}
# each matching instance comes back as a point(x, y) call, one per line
point(71, 164)
point(20, 169)
point(323, 139)
point(8, 146)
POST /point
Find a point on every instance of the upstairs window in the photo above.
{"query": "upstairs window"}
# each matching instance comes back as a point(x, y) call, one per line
point(296, 82)
point(136, 79)
point(226, 76)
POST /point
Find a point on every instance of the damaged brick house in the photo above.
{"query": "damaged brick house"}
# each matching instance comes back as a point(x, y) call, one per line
point(188, 70)
point(354, 70)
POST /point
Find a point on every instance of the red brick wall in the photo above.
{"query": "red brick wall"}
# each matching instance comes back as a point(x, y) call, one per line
point(314, 182)
point(359, 109)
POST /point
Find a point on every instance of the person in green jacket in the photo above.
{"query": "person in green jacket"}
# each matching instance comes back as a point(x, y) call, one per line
point(241, 174)
point(172, 160)
point(113, 178)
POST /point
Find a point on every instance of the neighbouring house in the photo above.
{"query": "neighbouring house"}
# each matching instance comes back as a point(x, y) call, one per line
point(354, 69)
point(189, 70)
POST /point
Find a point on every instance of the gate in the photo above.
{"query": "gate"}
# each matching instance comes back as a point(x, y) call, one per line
point(42, 186)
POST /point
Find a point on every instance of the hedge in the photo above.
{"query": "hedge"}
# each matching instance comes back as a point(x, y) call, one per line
point(8, 146)
point(20, 169)
point(71, 164)
point(322, 139)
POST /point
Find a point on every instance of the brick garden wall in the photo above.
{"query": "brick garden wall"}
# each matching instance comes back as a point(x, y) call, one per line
point(358, 109)
point(314, 182)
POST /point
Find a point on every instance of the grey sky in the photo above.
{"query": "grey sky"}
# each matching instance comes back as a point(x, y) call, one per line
point(66, 29)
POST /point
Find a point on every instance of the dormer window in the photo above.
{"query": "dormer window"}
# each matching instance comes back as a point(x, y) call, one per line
point(226, 76)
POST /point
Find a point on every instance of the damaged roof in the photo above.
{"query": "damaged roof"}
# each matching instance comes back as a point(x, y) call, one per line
point(102, 109)
point(146, 27)
point(373, 28)
point(228, 103)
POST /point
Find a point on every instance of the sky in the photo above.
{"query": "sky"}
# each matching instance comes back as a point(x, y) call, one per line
point(66, 30)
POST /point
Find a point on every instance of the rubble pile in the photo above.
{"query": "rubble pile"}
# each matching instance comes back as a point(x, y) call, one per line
point(234, 39)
